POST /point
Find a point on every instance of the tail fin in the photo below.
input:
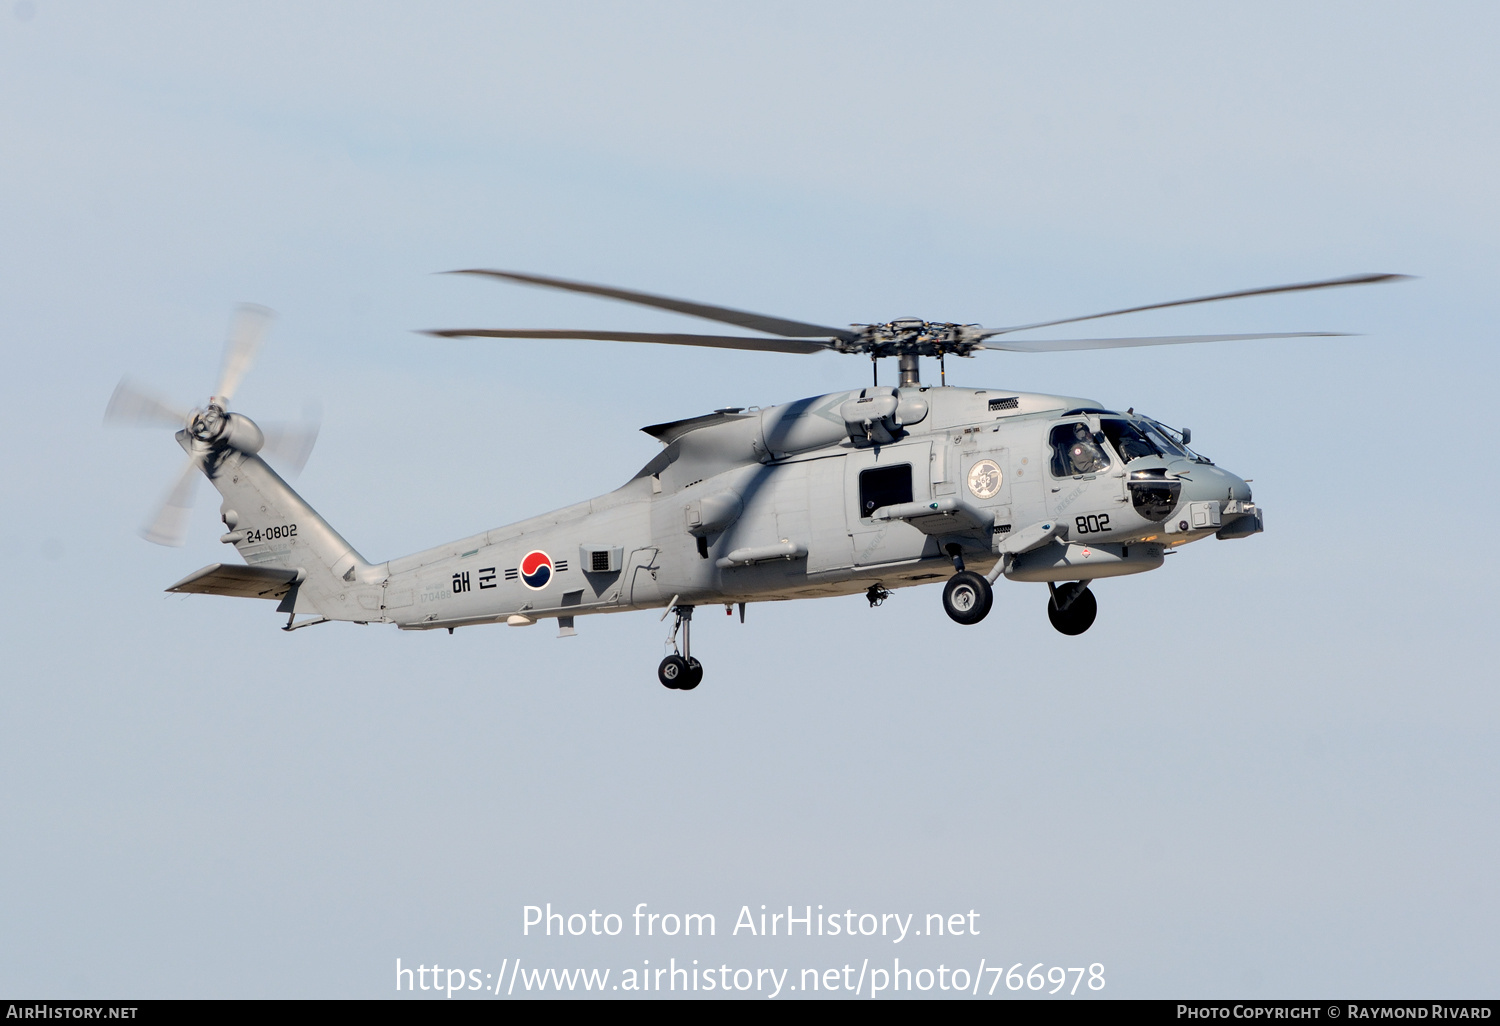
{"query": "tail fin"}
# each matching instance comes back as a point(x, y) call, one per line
point(273, 527)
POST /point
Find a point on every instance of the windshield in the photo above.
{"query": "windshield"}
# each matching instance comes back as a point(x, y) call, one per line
point(1161, 435)
point(1130, 441)
point(1170, 439)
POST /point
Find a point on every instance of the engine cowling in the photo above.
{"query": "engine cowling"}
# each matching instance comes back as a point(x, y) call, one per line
point(712, 513)
point(877, 416)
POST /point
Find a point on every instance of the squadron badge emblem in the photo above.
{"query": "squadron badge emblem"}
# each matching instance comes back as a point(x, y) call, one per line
point(984, 479)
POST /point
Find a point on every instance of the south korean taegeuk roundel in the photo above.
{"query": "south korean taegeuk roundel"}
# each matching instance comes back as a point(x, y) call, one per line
point(536, 570)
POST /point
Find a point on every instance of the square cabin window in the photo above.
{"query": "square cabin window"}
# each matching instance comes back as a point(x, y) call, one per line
point(884, 486)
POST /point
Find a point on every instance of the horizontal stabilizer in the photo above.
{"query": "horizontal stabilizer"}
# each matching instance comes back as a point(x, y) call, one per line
point(240, 581)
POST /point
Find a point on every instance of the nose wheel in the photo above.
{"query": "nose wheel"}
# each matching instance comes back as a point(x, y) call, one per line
point(1072, 608)
point(679, 670)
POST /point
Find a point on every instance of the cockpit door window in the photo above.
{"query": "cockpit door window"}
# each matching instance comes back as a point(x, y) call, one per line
point(1076, 451)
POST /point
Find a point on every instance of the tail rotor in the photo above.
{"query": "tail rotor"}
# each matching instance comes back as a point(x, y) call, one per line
point(245, 333)
point(210, 429)
point(169, 525)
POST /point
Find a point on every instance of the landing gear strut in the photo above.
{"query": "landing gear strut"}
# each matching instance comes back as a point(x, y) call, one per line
point(680, 671)
point(1072, 607)
point(967, 597)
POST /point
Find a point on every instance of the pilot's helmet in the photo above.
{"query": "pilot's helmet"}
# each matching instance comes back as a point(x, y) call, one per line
point(1080, 431)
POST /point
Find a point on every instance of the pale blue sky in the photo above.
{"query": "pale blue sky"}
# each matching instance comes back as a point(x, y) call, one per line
point(1269, 769)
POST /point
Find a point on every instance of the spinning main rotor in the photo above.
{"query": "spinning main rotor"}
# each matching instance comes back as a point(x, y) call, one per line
point(907, 339)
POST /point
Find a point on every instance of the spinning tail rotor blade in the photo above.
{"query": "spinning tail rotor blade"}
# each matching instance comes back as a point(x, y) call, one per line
point(169, 526)
point(245, 333)
point(134, 406)
point(205, 429)
point(289, 445)
point(1057, 345)
point(764, 345)
point(739, 318)
point(1307, 286)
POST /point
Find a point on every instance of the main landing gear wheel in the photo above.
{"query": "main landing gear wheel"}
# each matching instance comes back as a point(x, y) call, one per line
point(680, 674)
point(1077, 616)
point(674, 672)
point(680, 671)
point(967, 597)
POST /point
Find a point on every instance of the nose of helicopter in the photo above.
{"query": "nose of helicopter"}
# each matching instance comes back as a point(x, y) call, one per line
point(1213, 499)
point(1204, 482)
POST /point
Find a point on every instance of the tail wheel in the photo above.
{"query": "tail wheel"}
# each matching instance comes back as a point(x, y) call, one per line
point(1078, 617)
point(967, 597)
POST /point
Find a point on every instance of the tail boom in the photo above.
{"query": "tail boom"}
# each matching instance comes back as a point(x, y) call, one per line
point(273, 528)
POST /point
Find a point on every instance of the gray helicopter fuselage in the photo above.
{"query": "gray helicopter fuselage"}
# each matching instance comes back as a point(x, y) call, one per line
point(867, 490)
point(831, 495)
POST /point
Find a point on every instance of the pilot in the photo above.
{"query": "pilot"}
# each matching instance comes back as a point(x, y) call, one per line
point(1085, 456)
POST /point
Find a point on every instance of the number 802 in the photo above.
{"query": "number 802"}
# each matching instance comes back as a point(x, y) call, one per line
point(1092, 524)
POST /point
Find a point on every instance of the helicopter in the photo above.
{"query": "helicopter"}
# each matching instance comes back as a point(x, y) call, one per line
point(866, 491)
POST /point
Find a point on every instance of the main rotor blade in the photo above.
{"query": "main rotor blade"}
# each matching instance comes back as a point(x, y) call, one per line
point(133, 405)
point(739, 318)
point(1356, 279)
point(764, 345)
point(169, 526)
point(1057, 345)
point(245, 333)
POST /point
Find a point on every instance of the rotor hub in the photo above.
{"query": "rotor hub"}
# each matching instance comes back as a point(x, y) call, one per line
point(209, 423)
point(912, 336)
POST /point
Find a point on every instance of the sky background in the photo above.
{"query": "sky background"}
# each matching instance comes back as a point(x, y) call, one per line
point(1270, 769)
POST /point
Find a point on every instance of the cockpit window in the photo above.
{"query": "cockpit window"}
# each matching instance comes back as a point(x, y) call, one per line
point(1075, 451)
point(1130, 441)
point(1164, 439)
